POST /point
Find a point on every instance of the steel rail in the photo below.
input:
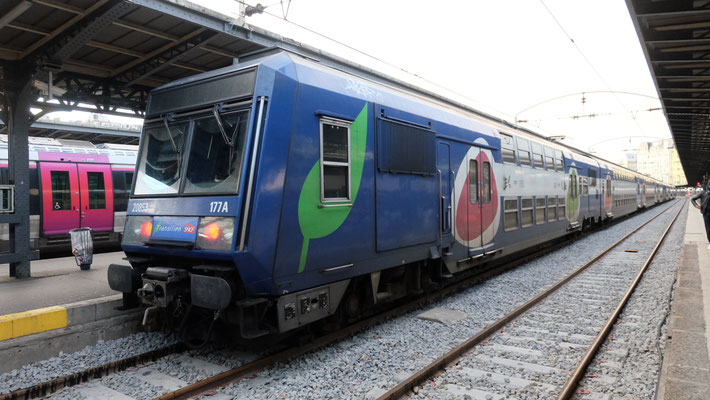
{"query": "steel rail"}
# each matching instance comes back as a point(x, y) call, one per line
point(573, 381)
point(454, 354)
point(53, 385)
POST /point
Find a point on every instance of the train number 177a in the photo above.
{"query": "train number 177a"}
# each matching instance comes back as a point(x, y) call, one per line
point(219, 206)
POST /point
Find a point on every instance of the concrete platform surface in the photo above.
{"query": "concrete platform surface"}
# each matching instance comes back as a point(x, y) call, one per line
point(55, 282)
point(686, 360)
point(58, 295)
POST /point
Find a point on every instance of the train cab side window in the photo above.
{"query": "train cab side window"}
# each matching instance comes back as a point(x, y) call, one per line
point(335, 160)
point(524, 152)
point(537, 155)
point(510, 214)
point(97, 191)
point(61, 192)
point(473, 181)
point(507, 148)
point(486, 192)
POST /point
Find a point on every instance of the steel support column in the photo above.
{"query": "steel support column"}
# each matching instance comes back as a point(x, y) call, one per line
point(17, 100)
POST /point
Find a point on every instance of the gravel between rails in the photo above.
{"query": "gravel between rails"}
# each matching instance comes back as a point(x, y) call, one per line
point(638, 340)
point(372, 362)
point(556, 333)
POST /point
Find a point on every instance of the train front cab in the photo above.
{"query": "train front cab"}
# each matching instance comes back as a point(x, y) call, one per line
point(186, 219)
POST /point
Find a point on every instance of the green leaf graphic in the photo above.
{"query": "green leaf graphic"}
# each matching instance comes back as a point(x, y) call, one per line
point(318, 222)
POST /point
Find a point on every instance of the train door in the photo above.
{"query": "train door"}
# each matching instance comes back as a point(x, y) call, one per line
point(96, 196)
point(594, 205)
point(60, 198)
point(481, 206)
point(445, 191)
point(608, 200)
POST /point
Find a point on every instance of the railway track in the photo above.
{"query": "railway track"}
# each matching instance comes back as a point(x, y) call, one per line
point(521, 353)
point(213, 375)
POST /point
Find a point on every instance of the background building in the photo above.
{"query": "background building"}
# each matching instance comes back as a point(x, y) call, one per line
point(660, 160)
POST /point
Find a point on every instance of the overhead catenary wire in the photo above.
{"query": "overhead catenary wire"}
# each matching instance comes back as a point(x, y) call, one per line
point(586, 59)
point(439, 86)
point(368, 55)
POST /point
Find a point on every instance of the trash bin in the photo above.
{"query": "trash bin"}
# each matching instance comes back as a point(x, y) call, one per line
point(82, 246)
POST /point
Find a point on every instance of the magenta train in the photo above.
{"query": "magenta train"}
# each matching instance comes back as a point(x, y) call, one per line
point(74, 184)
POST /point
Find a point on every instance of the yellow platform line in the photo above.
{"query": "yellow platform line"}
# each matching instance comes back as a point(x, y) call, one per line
point(33, 321)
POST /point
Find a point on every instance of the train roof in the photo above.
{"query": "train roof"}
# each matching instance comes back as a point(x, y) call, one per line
point(388, 92)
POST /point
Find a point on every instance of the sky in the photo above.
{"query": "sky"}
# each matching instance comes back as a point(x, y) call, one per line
point(527, 60)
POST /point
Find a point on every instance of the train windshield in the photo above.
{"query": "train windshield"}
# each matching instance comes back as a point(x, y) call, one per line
point(215, 142)
point(160, 161)
point(216, 153)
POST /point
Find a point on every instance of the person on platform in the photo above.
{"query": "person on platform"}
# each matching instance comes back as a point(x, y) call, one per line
point(704, 207)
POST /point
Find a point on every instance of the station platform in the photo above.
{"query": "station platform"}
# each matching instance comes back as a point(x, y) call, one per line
point(58, 294)
point(686, 362)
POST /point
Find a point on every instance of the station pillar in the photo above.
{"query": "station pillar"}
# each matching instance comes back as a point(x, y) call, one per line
point(18, 97)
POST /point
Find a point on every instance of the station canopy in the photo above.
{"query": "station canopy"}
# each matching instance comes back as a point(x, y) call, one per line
point(675, 37)
point(104, 56)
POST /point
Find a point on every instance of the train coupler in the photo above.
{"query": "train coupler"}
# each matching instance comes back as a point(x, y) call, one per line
point(162, 285)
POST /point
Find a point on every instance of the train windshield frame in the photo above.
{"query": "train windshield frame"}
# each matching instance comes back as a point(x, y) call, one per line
point(199, 155)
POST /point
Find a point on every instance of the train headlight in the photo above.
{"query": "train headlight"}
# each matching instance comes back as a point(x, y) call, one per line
point(137, 230)
point(215, 233)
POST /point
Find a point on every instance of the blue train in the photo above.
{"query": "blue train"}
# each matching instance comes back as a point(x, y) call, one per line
point(278, 192)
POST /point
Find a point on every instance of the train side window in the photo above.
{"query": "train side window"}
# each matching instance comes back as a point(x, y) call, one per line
point(559, 165)
point(551, 208)
point(537, 155)
point(561, 209)
point(97, 190)
point(61, 191)
point(585, 184)
point(486, 182)
point(524, 152)
point(473, 181)
point(549, 159)
point(128, 176)
point(507, 148)
point(526, 209)
point(510, 214)
point(540, 210)
point(335, 160)
point(592, 177)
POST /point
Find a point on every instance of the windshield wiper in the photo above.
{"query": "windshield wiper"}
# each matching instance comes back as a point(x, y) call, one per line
point(220, 124)
point(229, 141)
point(178, 157)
